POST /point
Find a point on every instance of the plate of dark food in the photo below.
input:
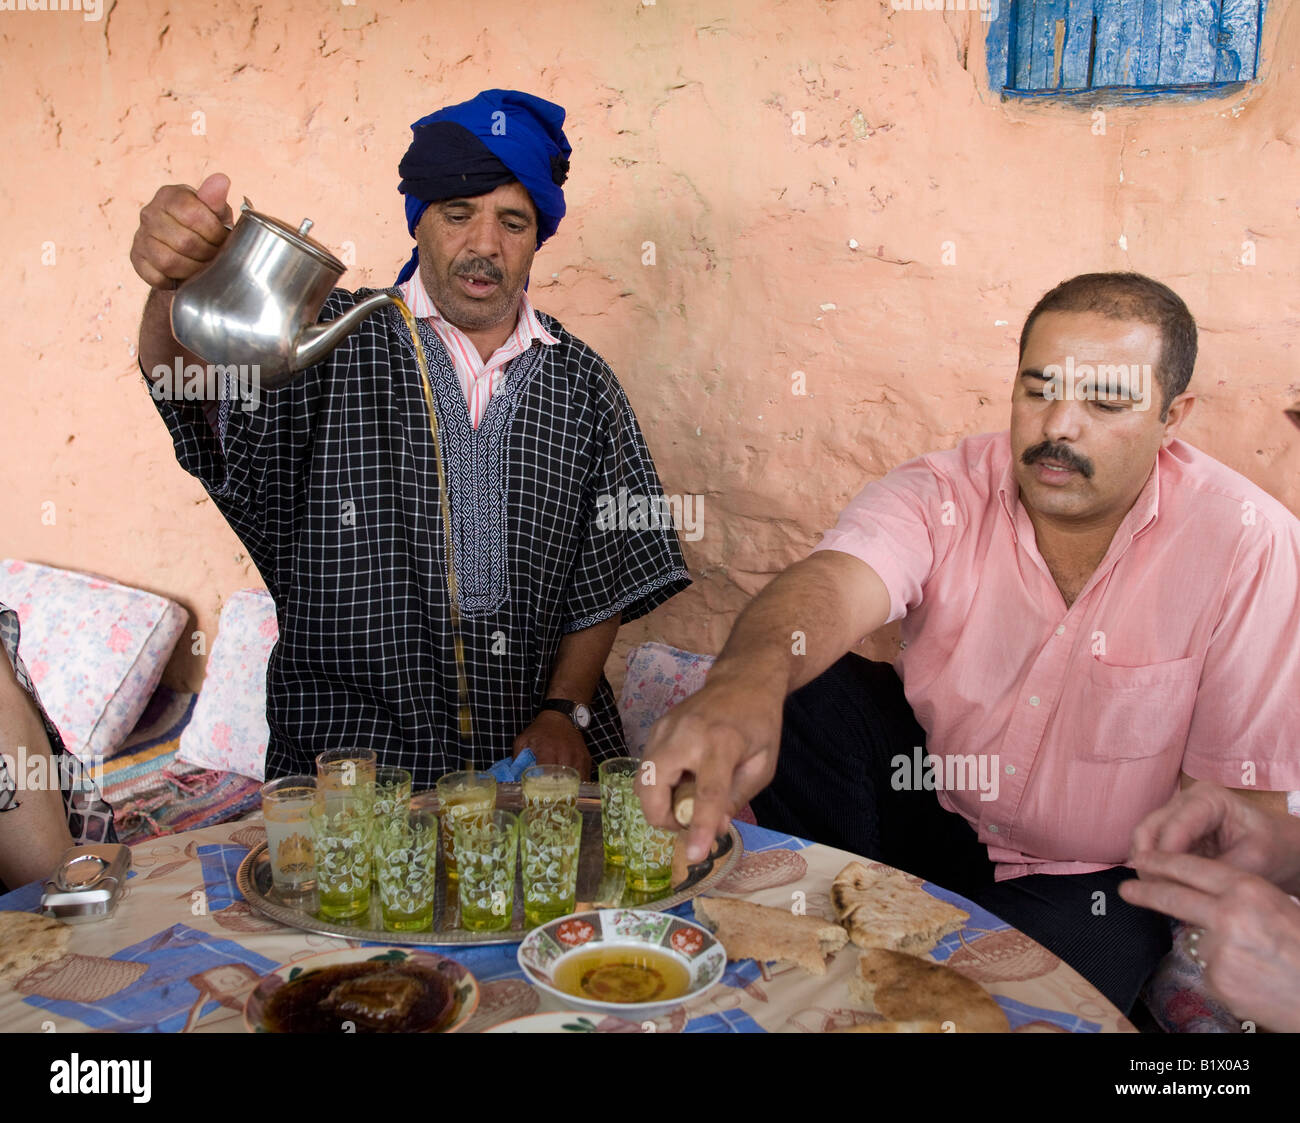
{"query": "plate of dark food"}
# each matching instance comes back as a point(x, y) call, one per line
point(364, 990)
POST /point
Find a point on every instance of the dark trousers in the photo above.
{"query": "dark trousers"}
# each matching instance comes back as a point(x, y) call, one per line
point(832, 785)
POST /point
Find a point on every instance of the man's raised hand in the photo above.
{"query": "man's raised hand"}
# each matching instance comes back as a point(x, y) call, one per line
point(180, 231)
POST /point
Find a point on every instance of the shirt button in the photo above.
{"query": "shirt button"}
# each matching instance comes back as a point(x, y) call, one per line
point(1011, 769)
point(1033, 701)
point(993, 828)
point(1060, 629)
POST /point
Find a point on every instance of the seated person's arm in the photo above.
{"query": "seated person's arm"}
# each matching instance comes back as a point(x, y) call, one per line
point(33, 834)
point(728, 733)
point(1265, 801)
point(575, 674)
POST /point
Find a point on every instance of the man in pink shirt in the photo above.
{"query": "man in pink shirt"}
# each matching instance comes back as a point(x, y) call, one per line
point(1092, 610)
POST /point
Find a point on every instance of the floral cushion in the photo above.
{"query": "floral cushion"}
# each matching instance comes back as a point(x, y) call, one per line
point(228, 731)
point(95, 649)
point(658, 677)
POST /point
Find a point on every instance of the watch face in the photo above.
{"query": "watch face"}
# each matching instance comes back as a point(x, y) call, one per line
point(581, 716)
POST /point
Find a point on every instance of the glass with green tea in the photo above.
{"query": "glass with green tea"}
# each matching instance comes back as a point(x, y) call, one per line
point(550, 785)
point(648, 851)
point(341, 833)
point(406, 857)
point(487, 848)
point(392, 794)
point(617, 789)
point(549, 842)
point(462, 793)
point(346, 771)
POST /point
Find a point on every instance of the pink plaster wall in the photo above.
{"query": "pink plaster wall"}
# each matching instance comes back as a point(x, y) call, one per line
point(681, 115)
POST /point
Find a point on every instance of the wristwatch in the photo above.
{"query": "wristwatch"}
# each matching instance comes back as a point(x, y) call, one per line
point(576, 712)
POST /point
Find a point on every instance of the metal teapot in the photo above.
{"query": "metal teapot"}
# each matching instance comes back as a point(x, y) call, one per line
point(258, 300)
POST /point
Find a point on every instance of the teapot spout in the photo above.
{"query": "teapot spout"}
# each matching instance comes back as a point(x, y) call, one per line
point(318, 340)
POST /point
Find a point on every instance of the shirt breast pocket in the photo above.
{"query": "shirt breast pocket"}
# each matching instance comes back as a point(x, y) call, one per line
point(1135, 713)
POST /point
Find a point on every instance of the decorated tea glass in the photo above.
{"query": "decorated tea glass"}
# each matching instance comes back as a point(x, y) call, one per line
point(648, 851)
point(617, 788)
point(462, 793)
point(487, 848)
point(341, 832)
point(549, 785)
point(549, 841)
point(345, 770)
point(406, 857)
point(286, 810)
point(392, 794)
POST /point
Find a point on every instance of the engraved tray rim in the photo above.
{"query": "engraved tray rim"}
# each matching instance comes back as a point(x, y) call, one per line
point(715, 868)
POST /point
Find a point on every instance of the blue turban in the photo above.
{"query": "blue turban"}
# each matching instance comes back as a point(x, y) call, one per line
point(472, 148)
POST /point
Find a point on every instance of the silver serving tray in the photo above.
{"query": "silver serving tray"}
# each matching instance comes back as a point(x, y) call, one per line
point(599, 886)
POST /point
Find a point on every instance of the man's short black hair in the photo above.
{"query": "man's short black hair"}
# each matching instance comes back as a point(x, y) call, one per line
point(1131, 296)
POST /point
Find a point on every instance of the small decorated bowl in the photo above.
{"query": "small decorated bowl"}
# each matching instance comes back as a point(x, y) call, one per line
point(627, 963)
point(374, 975)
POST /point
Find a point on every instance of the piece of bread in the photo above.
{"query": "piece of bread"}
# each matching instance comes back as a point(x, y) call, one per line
point(769, 935)
point(894, 1027)
point(884, 908)
point(28, 940)
point(906, 988)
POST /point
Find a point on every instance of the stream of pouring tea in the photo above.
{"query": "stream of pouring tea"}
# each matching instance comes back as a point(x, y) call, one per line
point(462, 683)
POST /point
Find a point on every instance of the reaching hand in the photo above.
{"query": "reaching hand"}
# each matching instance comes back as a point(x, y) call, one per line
point(1210, 821)
point(728, 735)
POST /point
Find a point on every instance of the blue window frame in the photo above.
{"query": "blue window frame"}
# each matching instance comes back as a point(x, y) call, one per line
point(1128, 48)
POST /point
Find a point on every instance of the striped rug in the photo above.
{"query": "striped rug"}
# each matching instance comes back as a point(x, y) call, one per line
point(154, 794)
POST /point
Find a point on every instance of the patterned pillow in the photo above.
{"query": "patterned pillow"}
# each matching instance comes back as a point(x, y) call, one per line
point(228, 731)
point(658, 677)
point(95, 649)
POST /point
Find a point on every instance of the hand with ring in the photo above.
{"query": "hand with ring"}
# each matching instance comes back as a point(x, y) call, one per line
point(1247, 934)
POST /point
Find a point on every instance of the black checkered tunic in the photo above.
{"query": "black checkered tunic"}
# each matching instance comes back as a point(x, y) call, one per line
point(331, 485)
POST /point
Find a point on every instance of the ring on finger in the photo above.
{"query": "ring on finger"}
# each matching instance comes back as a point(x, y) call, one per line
point(1194, 947)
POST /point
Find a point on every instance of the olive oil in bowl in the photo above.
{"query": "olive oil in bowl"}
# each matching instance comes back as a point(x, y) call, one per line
point(622, 973)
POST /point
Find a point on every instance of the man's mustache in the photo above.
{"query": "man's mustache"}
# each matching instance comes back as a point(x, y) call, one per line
point(1062, 454)
point(480, 267)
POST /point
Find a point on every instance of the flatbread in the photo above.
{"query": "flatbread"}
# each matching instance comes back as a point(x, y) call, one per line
point(28, 940)
point(894, 1027)
point(750, 931)
point(885, 908)
point(906, 988)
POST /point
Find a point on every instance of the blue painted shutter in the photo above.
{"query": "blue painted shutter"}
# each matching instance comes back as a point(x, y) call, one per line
point(1066, 46)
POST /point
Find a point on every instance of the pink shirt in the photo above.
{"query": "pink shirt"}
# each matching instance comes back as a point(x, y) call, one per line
point(1182, 653)
point(479, 380)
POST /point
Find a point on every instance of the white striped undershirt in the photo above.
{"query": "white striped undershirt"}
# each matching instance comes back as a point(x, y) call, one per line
point(479, 380)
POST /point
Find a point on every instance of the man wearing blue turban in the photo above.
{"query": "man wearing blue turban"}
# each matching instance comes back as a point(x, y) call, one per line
point(331, 484)
point(499, 137)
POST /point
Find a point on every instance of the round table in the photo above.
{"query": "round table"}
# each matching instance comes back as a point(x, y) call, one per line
point(184, 950)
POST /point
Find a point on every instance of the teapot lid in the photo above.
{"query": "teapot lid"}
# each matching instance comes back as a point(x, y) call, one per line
point(296, 237)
